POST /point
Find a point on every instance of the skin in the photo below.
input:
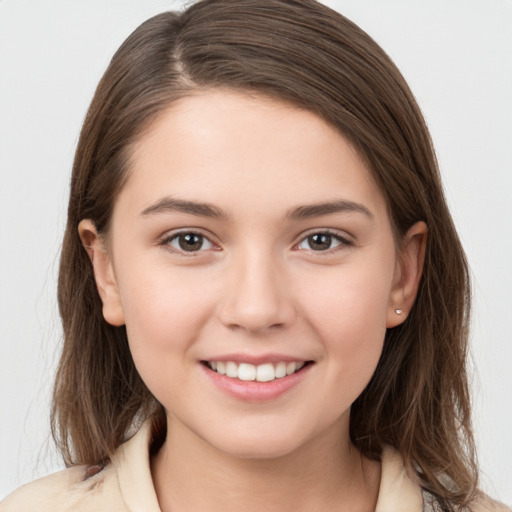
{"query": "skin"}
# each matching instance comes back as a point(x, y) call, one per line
point(256, 285)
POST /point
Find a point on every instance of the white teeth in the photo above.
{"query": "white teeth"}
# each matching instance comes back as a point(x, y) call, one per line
point(290, 368)
point(265, 373)
point(231, 369)
point(246, 371)
point(280, 370)
point(262, 373)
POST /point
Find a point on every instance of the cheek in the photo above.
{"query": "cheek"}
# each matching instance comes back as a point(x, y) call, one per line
point(164, 313)
point(348, 311)
point(353, 298)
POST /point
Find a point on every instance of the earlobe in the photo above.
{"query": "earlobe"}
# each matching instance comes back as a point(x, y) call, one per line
point(408, 274)
point(103, 272)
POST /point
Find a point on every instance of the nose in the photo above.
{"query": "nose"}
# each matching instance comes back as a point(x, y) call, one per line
point(256, 296)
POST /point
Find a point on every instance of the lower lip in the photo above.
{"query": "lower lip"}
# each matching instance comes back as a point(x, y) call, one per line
point(254, 391)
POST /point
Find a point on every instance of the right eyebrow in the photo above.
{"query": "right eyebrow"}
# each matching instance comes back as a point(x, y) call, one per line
point(327, 208)
point(172, 204)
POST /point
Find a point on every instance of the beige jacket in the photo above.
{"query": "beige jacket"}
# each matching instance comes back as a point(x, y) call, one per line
point(125, 485)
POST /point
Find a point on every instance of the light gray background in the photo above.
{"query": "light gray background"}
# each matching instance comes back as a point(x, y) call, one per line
point(457, 57)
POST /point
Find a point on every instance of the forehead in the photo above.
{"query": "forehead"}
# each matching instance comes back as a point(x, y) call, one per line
point(246, 151)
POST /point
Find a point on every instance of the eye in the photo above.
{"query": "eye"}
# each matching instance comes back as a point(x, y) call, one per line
point(189, 242)
point(322, 241)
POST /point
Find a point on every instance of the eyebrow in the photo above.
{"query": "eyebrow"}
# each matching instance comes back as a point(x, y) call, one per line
point(171, 204)
point(319, 209)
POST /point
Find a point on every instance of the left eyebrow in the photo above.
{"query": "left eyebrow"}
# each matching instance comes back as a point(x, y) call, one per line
point(319, 209)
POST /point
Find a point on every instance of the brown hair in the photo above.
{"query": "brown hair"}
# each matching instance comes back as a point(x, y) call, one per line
point(301, 52)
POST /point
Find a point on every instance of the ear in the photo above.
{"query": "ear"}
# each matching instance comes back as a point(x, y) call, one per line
point(407, 274)
point(103, 272)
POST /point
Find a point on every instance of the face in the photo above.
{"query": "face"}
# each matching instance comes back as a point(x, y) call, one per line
point(252, 260)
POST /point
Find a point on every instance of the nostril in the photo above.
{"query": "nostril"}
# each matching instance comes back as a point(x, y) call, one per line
point(256, 319)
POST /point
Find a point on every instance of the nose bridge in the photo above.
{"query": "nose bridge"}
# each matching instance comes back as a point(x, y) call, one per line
point(255, 296)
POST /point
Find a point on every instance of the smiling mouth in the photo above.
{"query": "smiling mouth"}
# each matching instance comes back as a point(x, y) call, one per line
point(266, 372)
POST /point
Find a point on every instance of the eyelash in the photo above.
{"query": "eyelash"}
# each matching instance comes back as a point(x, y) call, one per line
point(167, 242)
point(343, 241)
point(175, 237)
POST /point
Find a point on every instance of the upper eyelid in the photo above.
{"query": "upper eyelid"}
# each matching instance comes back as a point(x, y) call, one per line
point(169, 235)
point(341, 235)
point(165, 242)
point(345, 243)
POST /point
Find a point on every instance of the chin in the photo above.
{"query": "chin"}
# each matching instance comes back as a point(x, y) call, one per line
point(269, 441)
point(261, 448)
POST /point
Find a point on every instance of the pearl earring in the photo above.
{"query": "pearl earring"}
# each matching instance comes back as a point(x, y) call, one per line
point(399, 311)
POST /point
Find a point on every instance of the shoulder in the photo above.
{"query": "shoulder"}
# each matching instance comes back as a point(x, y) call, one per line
point(122, 485)
point(401, 491)
point(480, 503)
point(76, 489)
point(44, 492)
point(483, 503)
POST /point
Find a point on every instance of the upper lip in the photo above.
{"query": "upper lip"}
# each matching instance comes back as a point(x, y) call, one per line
point(257, 359)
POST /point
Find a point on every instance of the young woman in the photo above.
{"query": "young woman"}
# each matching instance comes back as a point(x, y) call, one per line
point(264, 299)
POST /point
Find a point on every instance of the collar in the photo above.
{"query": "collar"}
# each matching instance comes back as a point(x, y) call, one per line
point(397, 492)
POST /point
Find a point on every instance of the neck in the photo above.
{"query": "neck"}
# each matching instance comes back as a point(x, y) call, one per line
point(326, 474)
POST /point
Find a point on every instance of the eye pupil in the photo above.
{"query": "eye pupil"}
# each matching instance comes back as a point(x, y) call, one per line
point(320, 241)
point(190, 242)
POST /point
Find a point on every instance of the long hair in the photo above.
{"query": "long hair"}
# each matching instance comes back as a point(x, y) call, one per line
point(306, 54)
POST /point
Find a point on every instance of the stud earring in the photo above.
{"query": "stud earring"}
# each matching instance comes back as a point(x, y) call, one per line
point(399, 311)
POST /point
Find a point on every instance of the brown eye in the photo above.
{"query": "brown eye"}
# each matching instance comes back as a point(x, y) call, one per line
point(320, 241)
point(190, 242)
